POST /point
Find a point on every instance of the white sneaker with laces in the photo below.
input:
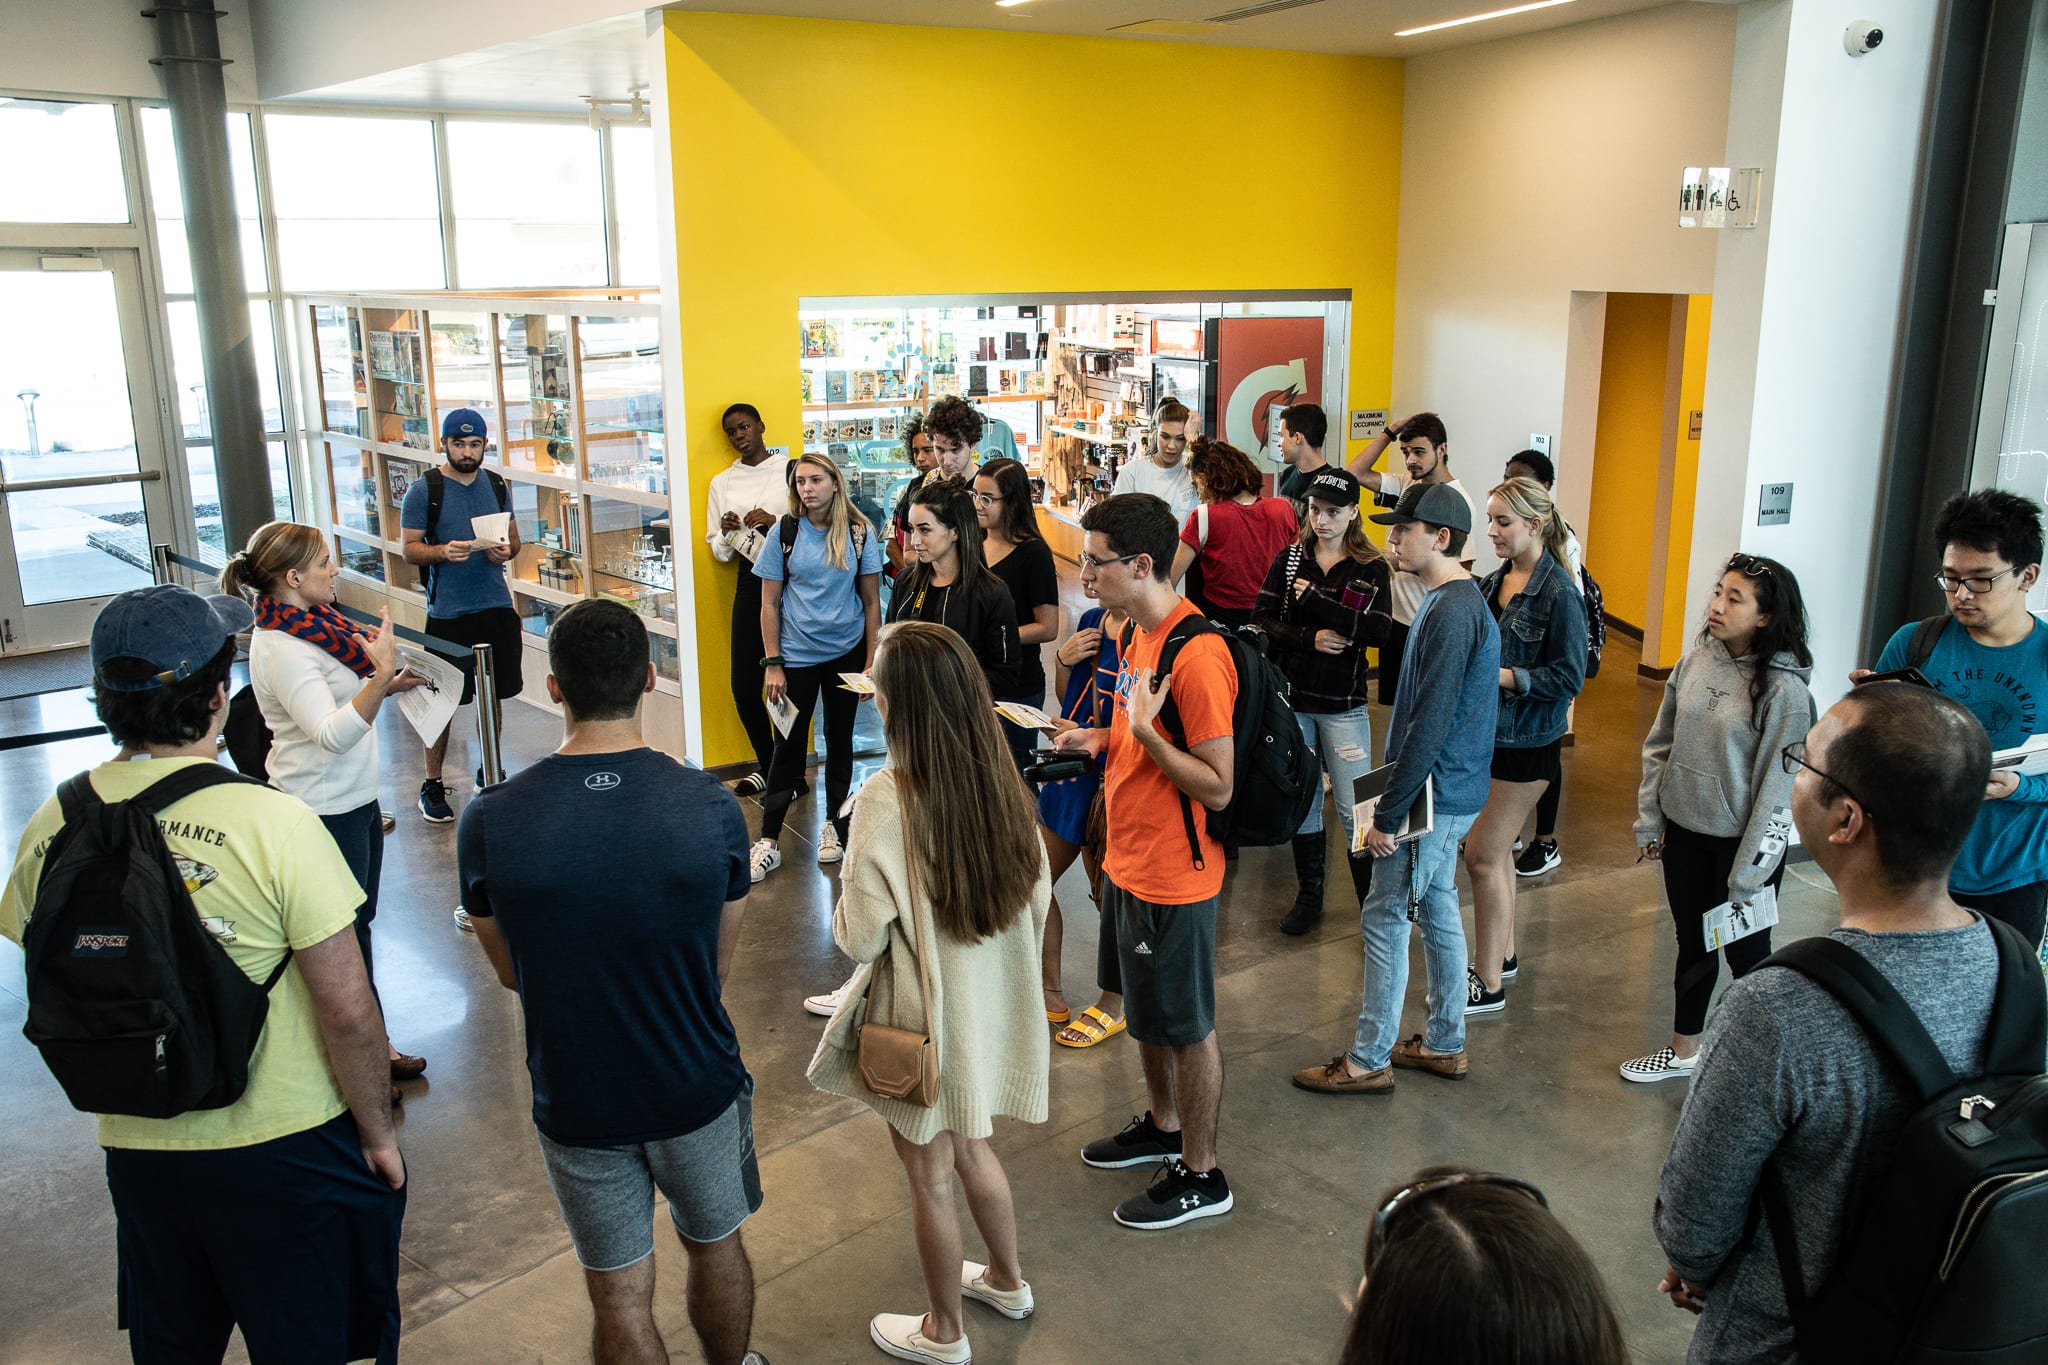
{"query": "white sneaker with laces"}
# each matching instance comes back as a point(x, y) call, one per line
point(902, 1335)
point(1661, 1065)
point(1011, 1303)
point(826, 1005)
point(765, 857)
point(829, 850)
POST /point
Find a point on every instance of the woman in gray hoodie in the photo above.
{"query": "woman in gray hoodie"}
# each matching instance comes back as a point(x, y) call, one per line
point(1714, 806)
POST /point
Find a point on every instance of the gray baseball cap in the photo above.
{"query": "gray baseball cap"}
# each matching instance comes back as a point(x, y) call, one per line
point(1439, 504)
point(172, 629)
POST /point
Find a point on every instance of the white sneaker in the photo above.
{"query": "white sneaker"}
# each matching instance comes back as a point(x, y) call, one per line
point(462, 921)
point(1011, 1303)
point(765, 858)
point(827, 1005)
point(901, 1335)
point(1661, 1065)
point(829, 850)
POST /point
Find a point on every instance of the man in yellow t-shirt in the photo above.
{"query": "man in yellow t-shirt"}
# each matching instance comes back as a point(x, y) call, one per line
point(278, 1214)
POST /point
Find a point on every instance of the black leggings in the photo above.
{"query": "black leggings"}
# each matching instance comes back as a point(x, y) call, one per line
point(746, 665)
point(1696, 872)
point(1546, 808)
point(2024, 908)
point(786, 768)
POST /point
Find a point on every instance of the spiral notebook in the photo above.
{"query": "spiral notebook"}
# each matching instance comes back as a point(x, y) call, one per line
point(1366, 792)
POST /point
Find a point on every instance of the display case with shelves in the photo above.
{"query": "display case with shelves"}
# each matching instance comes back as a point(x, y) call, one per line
point(339, 378)
point(535, 370)
point(400, 413)
point(619, 381)
point(630, 557)
point(550, 522)
point(353, 477)
point(464, 376)
point(356, 557)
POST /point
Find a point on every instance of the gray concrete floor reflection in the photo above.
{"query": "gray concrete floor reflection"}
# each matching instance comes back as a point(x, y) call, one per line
point(489, 1276)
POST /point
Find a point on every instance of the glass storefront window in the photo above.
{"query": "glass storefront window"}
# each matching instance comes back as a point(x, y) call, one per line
point(529, 204)
point(461, 347)
point(622, 414)
point(633, 201)
point(535, 368)
point(194, 415)
point(60, 162)
point(167, 200)
point(630, 556)
point(358, 202)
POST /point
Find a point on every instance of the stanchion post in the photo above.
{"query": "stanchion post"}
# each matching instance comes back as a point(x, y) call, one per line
point(160, 562)
point(487, 717)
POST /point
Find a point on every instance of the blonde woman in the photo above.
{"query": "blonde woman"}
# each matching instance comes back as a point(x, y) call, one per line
point(1541, 610)
point(944, 854)
point(320, 680)
point(821, 608)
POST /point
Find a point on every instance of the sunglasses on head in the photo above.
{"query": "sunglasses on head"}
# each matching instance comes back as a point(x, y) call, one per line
point(1749, 566)
point(1415, 1192)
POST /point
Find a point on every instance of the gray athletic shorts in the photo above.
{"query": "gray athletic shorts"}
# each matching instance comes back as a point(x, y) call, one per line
point(709, 1178)
point(1167, 957)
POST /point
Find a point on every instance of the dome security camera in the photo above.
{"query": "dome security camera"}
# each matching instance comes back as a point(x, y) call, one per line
point(1862, 37)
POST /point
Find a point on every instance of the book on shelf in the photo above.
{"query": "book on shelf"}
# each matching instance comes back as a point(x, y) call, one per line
point(977, 381)
point(813, 431)
point(863, 428)
point(398, 477)
point(886, 426)
point(821, 339)
point(838, 384)
point(383, 355)
point(806, 374)
point(866, 386)
point(1006, 381)
point(548, 375)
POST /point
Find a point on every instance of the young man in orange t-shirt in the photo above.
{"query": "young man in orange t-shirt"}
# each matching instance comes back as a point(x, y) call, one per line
point(1158, 893)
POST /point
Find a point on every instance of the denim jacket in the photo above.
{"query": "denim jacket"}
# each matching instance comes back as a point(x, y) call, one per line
point(1543, 643)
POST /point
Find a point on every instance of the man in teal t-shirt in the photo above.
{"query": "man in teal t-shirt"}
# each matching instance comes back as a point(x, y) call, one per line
point(1992, 656)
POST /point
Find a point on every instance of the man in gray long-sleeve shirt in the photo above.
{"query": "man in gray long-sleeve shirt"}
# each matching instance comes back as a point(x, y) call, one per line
point(1786, 1076)
point(1441, 734)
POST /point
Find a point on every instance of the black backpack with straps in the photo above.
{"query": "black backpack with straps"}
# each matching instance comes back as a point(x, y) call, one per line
point(136, 1008)
point(437, 490)
point(1926, 635)
point(786, 530)
point(1942, 1263)
point(1276, 776)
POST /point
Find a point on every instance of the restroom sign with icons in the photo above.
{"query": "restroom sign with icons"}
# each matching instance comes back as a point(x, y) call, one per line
point(1719, 196)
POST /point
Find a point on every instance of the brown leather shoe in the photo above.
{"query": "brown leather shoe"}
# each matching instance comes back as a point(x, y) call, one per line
point(1452, 1066)
point(404, 1068)
point(1334, 1078)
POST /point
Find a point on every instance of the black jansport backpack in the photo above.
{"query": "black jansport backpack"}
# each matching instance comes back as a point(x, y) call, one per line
point(133, 1004)
point(1943, 1263)
point(1596, 622)
point(1277, 776)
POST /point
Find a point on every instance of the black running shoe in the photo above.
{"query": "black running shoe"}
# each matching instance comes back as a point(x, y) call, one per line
point(1478, 999)
point(1138, 1144)
point(1176, 1195)
point(1509, 968)
point(1538, 858)
point(434, 807)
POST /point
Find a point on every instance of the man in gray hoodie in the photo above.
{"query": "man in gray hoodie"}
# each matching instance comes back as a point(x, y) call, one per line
point(1713, 805)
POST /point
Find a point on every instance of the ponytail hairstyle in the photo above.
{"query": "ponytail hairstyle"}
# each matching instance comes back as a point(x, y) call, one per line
point(839, 517)
point(276, 549)
point(1531, 501)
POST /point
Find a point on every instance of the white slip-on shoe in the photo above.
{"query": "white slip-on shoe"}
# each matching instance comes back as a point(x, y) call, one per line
point(902, 1336)
point(1661, 1065)
point(1011, 1303)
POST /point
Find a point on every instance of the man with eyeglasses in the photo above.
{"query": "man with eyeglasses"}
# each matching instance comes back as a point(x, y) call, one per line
point(1169, 750)
point(1426, 458)
point(1991, 654)
point(1788, 1082)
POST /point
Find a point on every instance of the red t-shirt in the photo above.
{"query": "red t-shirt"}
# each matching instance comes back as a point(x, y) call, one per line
point(1148, 842)
point(1243, 539)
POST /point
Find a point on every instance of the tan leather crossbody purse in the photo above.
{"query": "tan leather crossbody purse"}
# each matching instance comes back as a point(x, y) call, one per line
point(896, 1062)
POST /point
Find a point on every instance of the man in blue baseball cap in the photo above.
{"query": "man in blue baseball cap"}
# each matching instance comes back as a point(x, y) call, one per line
point(279, 1213)
point(462, 575)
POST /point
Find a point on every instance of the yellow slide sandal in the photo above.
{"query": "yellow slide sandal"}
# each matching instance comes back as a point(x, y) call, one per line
point(1090, 1027)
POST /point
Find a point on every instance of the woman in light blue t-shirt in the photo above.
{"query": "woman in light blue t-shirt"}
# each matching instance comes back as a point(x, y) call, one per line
point(821, 609)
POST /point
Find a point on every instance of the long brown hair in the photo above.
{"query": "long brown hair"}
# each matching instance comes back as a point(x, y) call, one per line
point(1016, 522)
point(973, 826)
point(952, 506)
point(274, 550)
point(1220, 470)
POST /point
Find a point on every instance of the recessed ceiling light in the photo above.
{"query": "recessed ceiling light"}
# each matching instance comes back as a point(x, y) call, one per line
point(1472, 18)
point(1006, 4)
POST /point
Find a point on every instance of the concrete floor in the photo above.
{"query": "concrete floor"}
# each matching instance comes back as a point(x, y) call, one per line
point(489, 1277)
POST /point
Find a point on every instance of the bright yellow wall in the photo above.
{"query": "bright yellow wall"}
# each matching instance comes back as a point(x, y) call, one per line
point(1622, 518)
point(819, 158)
point(1685, 478)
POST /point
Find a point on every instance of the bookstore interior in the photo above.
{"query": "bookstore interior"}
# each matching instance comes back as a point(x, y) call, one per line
point(1067, 387)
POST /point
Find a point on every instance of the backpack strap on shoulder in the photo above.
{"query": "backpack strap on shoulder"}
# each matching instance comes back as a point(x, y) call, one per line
point(1875, 1004)
point(437, 490)
point(1926, 636)
point(498, 487)
point(2018, 1035)
point(166, 792)
point(785, 531)
point(76, 798)
point(1183, 631)
point(1294, 563)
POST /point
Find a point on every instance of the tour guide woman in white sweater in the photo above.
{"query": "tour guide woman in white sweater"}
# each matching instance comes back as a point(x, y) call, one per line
point(944, 851)
point(320, 679)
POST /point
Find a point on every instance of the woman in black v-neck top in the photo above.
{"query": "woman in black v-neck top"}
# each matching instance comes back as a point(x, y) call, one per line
point(947, 583)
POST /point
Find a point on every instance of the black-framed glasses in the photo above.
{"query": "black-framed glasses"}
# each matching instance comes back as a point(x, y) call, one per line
point(1793, 757)
point(1977, 586)
point(1089, 561)
point(1405, 1197)
point(1749, 566)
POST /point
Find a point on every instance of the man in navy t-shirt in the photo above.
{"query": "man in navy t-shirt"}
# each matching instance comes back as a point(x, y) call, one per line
point(606, 884)
point(463, 574)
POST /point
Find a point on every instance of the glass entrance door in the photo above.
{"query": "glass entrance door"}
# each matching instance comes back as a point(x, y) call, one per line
point(81, 454)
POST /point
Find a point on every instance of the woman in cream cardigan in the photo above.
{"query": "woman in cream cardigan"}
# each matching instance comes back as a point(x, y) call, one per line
point(320, 680)
point(946, 834)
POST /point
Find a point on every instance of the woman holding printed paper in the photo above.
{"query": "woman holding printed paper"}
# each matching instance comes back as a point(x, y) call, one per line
point(950, 584)
point(320, 680)
point(821, 607)
point(1714, 806)
point(1018, 554)
point(1325, 602)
